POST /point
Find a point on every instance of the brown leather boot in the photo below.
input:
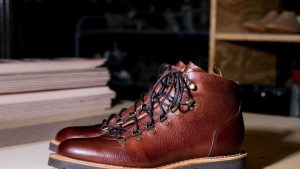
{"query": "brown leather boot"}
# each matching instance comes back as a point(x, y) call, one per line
point(193, 119)
point(97, 130)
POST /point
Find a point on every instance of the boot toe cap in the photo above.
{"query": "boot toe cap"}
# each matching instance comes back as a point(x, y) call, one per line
point(78, 132)
point(86, 149)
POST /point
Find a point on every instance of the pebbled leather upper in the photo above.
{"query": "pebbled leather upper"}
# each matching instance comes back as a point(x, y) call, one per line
point(215, 127)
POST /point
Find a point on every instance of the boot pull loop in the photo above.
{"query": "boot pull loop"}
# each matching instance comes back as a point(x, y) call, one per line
point(217, 70)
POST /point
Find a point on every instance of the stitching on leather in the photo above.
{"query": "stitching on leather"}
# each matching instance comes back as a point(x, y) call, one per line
point(217, 132)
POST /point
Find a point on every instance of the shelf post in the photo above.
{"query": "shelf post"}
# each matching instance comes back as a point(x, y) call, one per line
point(212, 32)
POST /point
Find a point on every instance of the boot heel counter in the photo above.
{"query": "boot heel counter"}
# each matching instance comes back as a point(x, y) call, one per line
point(228, 138)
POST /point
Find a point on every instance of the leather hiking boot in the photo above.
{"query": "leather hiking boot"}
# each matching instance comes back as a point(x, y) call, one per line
point(192, 120)
point(100, 129)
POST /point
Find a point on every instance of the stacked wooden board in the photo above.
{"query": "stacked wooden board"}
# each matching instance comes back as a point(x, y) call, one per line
point(43, 88)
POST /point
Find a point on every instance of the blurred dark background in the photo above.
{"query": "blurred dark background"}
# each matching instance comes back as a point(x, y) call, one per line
point(136, 37)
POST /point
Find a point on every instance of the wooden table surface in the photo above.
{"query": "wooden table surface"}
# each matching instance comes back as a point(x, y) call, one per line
point(272, 142)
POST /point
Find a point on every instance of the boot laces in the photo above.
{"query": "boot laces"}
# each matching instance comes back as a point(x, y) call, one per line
point(167, 95)
point(121, 116)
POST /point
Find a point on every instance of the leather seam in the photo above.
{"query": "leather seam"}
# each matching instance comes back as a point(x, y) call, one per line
point(217, 132)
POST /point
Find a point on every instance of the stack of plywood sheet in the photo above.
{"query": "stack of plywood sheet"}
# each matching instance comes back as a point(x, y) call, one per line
point(44, 88)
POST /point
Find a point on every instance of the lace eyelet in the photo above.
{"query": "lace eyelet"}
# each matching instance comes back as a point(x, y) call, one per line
point(192, 108)
point(137, 134)
point(122, 141)
point(191, 104)
point(151, 128)
point(164, 120)
point(172, 108)
point(175, 110)
point(192, 86)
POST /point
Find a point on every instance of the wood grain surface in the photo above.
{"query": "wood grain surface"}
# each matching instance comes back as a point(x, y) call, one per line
point(232, 13)
point(246, 65)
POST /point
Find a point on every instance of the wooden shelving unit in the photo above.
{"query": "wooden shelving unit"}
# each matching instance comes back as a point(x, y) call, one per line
point(238, 61)
point(258, 37)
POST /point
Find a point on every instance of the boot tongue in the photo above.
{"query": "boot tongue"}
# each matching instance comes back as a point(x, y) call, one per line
point(179, 66)
point(191, 67)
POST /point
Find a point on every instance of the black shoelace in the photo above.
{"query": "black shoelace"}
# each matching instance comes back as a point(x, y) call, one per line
point(118, 116)
point(168, 95)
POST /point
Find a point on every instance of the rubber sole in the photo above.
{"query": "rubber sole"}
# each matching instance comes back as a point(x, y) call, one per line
point(53, 145)
point(222, 162)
